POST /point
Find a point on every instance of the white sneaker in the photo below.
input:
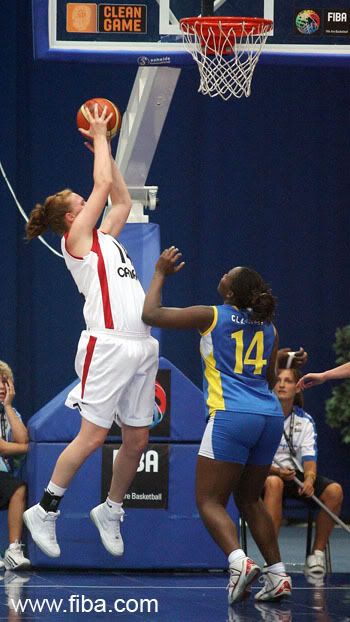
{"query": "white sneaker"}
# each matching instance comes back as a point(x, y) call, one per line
point(276, 585)
point(316, 564)
point(108, 524)
point(242, 572)
point(13, 588)
point(42, 526)
point(14, 558)
point(271, 612)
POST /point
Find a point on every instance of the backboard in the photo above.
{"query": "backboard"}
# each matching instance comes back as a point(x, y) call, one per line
point(147, 32)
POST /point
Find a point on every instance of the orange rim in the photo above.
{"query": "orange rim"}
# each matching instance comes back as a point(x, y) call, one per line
point(214, 26)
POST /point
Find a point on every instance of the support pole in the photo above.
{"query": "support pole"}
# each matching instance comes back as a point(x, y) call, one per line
point(207, 8)
point(317, 500)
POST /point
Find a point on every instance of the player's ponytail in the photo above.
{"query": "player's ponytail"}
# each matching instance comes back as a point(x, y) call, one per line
point(263, 306)
point(49, 215)
point(251, 292)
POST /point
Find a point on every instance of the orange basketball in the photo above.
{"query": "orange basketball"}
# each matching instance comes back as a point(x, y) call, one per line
point(114, 122)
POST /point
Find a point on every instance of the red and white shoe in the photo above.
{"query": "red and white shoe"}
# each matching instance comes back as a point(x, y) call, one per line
point(276, 586)
point(242, 573)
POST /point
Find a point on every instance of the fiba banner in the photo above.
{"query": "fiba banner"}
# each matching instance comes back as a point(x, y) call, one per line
point(151, 484)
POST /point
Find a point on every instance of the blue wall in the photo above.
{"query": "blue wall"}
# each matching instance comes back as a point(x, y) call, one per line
point(262, 182)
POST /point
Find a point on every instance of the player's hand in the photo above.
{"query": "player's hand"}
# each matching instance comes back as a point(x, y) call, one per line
point(9, 392)
point(310, 380)
point(98, 123)
point(307, 488)
point(286, 474)
point(168, 262)
point(299, 359)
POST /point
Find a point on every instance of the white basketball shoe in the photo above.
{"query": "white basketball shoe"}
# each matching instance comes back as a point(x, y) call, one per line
point(276, 586)
point(42, 526)
point(242, 573)
point(108, 522)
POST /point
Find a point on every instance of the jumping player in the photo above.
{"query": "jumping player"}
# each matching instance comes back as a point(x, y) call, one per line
point(117, 359)
point(245, 422)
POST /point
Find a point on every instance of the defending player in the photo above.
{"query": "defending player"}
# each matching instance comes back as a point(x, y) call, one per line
point(245, 422)
point(117, 359)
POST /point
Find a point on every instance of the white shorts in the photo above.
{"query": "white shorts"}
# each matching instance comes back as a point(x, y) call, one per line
point(117, 379)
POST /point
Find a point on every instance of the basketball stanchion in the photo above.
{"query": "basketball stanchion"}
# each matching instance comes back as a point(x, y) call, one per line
point(318, 501)
point(226, 50)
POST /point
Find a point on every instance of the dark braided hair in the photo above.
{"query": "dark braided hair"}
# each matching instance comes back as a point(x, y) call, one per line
point(251, 292)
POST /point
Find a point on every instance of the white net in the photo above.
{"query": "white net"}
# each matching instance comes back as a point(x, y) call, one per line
point(226, 51)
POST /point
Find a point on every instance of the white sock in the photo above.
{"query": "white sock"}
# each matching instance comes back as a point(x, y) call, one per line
point(237, 554)
point(13, 545)
point(277, 568)
point(318, 551)
point(55, 490)
point(114, 506)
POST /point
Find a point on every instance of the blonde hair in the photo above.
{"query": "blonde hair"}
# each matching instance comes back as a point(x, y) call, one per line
point(49, 215)
point(5, 370)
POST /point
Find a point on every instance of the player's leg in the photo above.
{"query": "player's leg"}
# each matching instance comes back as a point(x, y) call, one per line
point(273, 499)
point(250, 504)
point(215, 481)
point(135, 414)
point(41, 518)
point(108, 515)
point(220, 464)
point(248, 498)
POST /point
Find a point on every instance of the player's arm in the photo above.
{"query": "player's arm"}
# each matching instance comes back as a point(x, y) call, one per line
point(121, 203)
point(312, 379)
point(271, 373)
point(80, 234)
point(154, 314)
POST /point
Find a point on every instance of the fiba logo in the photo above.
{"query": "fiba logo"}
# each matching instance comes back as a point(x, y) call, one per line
point(160, 405)
point(307, 22)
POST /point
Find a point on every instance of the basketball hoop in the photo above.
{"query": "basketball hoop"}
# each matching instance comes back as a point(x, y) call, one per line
point(226, 50)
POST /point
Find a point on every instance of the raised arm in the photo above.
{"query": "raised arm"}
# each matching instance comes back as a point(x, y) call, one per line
point(312, 379)
point(121, 203)
point(155, 314)
point(80, 233)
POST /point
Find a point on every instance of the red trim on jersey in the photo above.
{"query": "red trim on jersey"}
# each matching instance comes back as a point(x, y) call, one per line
point(88, 357)
point(102, 275)
point(66, 238)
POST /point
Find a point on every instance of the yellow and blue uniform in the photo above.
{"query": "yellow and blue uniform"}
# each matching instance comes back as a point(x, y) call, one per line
point(245, 417)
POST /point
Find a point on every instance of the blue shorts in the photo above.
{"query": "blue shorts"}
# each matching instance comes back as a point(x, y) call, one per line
point(242, 437)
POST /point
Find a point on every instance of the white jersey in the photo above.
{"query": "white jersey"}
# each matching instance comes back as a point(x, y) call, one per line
point(300, 430)
point(107, 279)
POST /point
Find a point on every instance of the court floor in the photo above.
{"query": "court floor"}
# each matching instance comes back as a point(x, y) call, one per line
point(63, 595)
point(162, 597)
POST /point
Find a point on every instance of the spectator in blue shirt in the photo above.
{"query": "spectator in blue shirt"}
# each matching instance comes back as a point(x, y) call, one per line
point(13, 444)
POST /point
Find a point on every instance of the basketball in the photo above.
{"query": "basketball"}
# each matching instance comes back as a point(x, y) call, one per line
point(113, 124)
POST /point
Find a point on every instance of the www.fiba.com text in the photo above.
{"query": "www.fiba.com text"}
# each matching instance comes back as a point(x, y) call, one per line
point(79, 603)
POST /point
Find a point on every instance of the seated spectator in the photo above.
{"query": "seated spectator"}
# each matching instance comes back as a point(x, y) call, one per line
point(13, 443)
point(300, 440)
